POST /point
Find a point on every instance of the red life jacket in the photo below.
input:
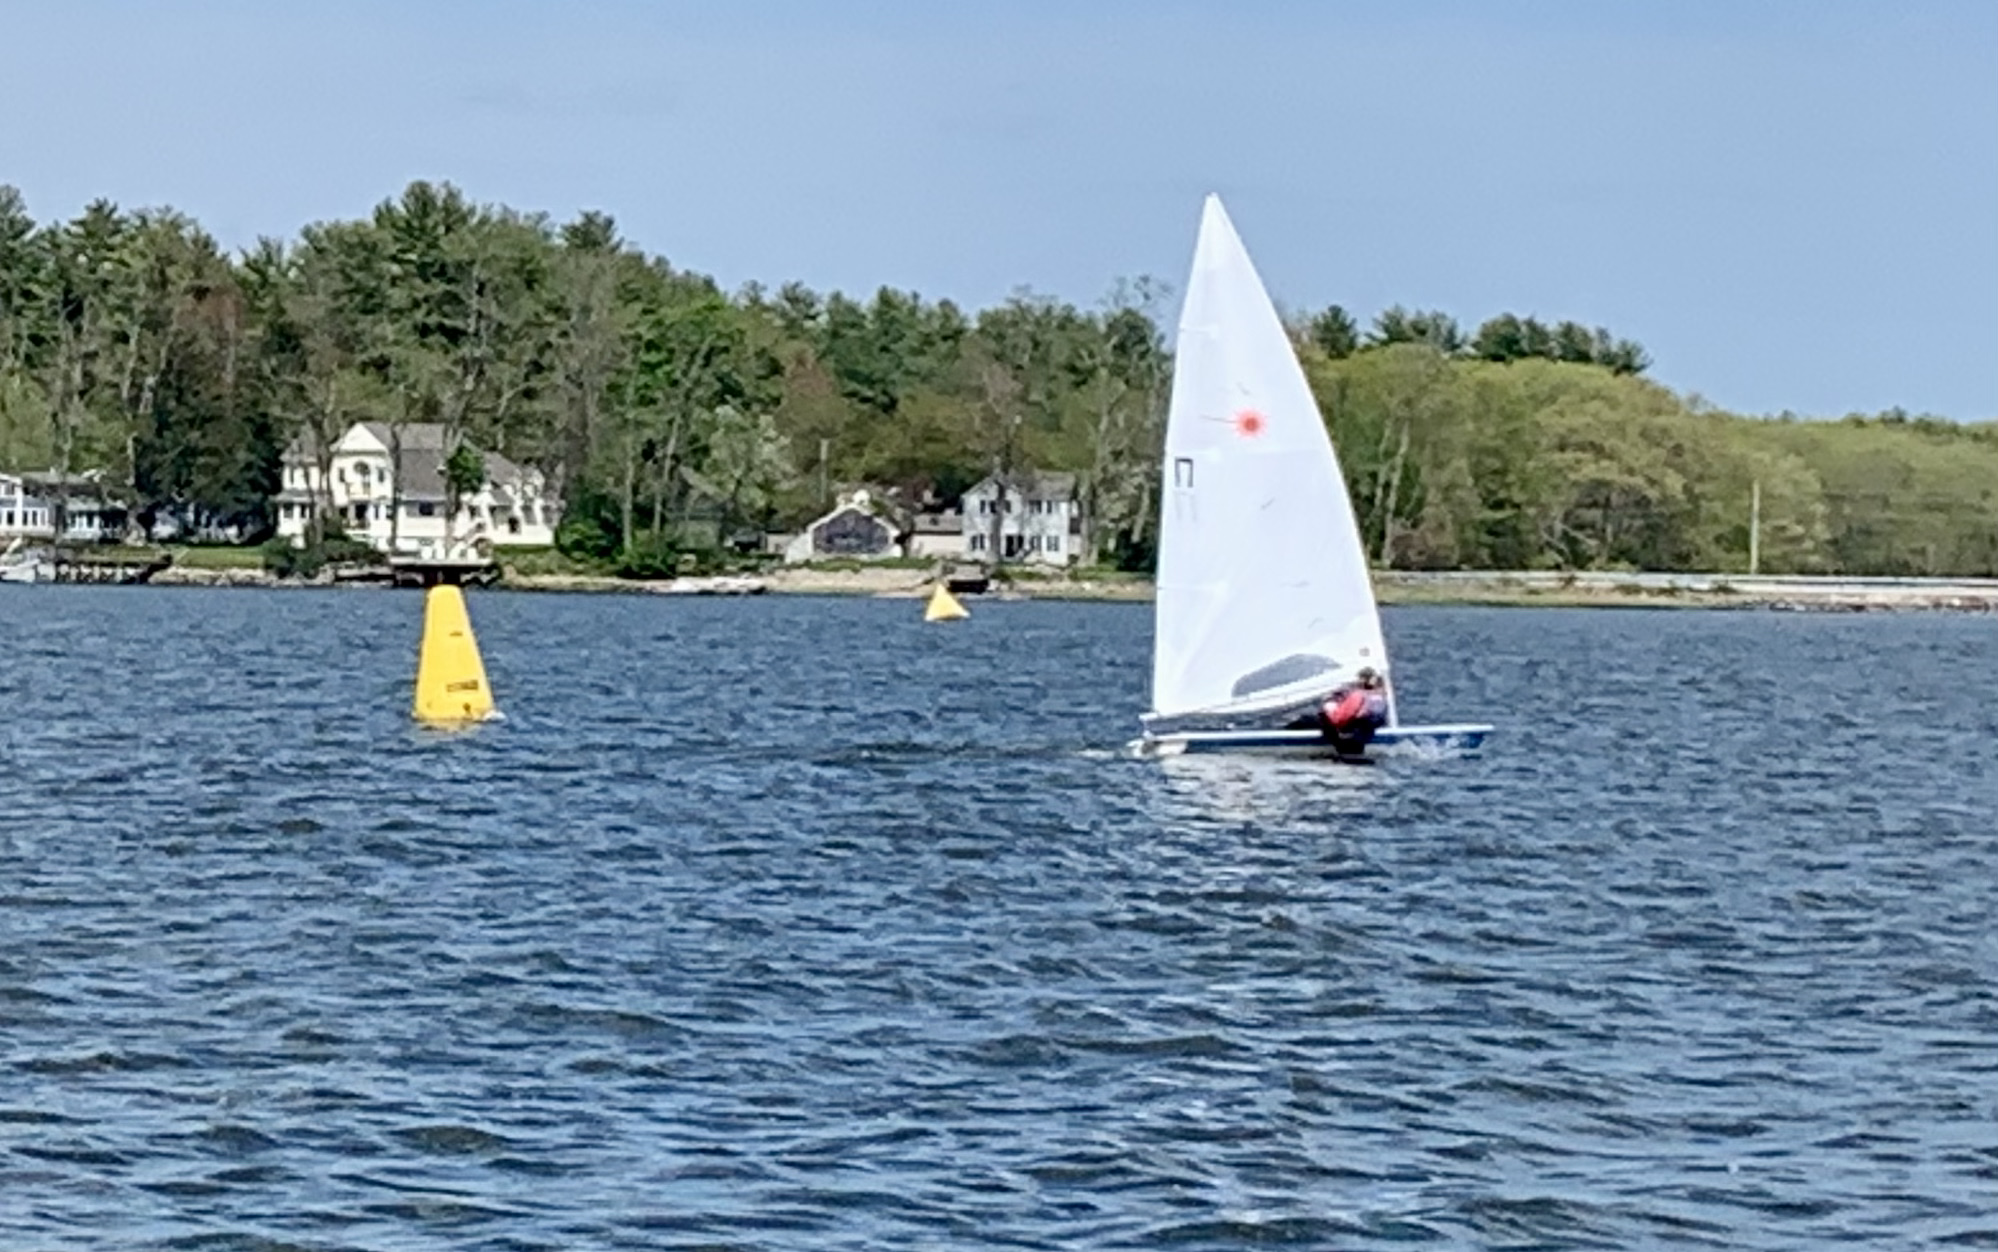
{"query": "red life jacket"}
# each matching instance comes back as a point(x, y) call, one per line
point(1348, 709)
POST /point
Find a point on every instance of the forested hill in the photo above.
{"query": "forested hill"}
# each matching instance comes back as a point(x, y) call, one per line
point(131, 343)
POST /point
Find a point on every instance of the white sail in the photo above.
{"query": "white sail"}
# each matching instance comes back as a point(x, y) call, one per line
point(1264, 599)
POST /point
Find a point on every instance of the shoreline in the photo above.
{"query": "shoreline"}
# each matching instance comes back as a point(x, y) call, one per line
point(1506, 589)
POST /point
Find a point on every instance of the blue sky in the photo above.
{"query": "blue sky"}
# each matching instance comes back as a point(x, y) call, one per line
point(1793, 206)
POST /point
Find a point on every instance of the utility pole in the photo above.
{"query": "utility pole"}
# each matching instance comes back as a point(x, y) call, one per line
point(1754, 526)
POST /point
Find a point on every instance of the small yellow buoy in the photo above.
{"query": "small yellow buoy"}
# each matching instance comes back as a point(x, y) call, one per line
point(451, 685)
point(944, 607)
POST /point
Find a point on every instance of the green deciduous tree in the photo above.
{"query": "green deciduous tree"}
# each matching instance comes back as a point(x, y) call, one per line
point(671, 413)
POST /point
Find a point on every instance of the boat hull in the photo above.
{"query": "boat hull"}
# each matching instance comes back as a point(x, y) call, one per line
point(1388, 741)
point(28, 572)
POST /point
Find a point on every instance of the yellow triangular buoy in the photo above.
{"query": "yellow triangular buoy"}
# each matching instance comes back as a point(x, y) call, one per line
point(451, 685)
point(944, 606)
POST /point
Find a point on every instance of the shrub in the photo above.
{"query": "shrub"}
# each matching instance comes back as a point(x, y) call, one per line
point(340, 550)
point(286, 561)
point(653, 556)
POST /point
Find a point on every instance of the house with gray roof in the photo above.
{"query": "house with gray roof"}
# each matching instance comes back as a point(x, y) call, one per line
point(90, 510)
point(1024, 516)
point(387, 488)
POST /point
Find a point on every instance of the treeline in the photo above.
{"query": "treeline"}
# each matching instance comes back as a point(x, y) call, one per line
point(1506, 337)
point(1457, 462)
point(131, 343)
point(672, 413)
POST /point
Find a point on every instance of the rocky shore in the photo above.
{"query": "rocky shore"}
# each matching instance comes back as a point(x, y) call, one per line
point(1602, 589)
point(1547, 589)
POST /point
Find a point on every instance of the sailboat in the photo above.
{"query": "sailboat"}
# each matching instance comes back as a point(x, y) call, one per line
point(1265, 604)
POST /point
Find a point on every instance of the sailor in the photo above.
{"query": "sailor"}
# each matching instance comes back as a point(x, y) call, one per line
point(1351, 714)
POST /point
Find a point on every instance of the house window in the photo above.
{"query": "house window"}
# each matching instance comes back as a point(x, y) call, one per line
point(1053, 543)
point(513, 523)
point(978, 543)
point(426, 509)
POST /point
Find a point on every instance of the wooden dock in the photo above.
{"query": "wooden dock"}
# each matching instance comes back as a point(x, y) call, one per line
point(409, 571)
point(965, 578)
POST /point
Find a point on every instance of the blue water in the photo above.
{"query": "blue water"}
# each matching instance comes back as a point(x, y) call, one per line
point(796, 924)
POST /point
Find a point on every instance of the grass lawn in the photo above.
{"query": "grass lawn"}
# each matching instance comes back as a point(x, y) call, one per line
point(213, 557)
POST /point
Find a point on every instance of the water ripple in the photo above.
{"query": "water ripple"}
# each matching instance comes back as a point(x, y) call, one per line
point(795, 924)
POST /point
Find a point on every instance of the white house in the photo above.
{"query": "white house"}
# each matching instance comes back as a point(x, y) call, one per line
point(1035, 518)
point(23, 514)
point(28, 506)
point(856, 529)
point(938, 533)
point(388, 490)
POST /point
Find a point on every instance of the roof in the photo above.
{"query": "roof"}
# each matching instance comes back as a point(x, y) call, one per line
point(413, 436)
point(1031, 485)
point(860, 511)
point(419, 449)
point(944, 522)
point(47, 484)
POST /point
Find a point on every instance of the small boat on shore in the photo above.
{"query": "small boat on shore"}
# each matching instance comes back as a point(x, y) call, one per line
point(717, 585)
point(26, 565)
